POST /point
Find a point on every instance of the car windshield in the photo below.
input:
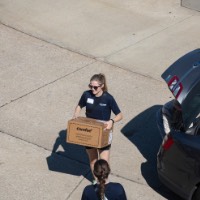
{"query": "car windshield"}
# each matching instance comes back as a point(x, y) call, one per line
point(191, 106)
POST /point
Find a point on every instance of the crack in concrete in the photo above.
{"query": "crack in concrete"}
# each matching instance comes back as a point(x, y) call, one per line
point(13, 100)
point(127, 179)
point(41, 147)
point(46, 41)
point(3, 132)
point(85, 54)
point(88, 56)
point(132, 72)
point(148, 38)
point(62, 156)
point(70, 194)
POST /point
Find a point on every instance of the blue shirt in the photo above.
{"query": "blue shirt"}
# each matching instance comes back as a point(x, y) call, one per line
point(113, 191)
point(99, 107)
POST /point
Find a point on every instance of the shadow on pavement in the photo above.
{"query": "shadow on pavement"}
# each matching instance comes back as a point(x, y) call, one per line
point(142, 131)
point(72, 160)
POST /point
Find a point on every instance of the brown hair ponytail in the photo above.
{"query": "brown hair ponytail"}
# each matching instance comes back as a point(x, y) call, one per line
point(101, 79)
point(101, 171)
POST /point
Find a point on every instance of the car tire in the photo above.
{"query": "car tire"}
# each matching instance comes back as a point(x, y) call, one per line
point(196, 195)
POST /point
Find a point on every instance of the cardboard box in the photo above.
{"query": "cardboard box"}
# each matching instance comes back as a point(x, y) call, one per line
point(88, 132)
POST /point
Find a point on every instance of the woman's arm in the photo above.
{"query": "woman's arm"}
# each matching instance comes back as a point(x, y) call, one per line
point(111, 122)
point(77, 112)
point(118, 117)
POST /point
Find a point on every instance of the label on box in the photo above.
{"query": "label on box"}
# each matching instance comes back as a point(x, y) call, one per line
point(88, 132)
point(82, 135)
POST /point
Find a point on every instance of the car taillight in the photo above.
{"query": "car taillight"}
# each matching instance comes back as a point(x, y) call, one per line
point(168, 142)
point(175, 86)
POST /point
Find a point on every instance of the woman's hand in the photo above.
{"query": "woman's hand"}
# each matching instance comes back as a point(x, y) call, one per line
point(75, 116)
point(109, 124)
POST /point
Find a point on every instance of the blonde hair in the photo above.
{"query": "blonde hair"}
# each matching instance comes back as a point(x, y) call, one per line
point(101, 79)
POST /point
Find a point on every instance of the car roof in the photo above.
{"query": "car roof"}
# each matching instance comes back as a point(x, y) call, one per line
point(187, 71)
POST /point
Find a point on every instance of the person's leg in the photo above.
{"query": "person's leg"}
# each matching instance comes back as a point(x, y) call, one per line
point(104, 154)
point(93, 157)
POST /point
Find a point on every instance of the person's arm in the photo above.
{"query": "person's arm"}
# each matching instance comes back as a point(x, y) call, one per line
point(123, 194)
point(110, 123)
point(84, 197)
point(77, 112)
point(81, 104)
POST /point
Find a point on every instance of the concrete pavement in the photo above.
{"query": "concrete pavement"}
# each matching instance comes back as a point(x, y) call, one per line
point(49, 50)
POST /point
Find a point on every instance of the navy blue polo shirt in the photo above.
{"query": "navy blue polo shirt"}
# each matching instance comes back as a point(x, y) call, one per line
point(113, 191)
point(99, 107)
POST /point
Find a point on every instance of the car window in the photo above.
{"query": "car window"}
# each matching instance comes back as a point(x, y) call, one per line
point(191, 106)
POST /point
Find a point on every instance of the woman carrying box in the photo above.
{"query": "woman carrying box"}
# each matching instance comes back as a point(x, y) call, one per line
point(99, 104)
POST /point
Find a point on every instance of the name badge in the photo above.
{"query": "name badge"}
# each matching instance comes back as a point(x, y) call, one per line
point(91, 101)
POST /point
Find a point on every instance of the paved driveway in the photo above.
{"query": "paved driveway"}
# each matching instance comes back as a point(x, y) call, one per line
point(49, 50)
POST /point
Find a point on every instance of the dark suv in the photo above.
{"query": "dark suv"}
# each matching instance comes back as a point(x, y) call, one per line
point(178, 159)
